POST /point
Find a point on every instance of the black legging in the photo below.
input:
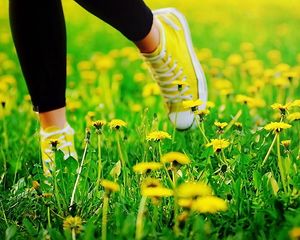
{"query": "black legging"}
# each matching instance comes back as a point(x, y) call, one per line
point(39, 34)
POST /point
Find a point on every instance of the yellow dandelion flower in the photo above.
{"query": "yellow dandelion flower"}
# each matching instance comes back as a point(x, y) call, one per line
point(151, 89)
point(281, 107)
point(157, 192)
point(73, 223)
point(35, 184)
point(117, 124)
point(157, 136)
point(290, 75)
point(47, 195)
point(99, 124)
point(221, 125)
point(136, 107)
point(54, 143)
point(210, 105)
point(117, 77)
point(209, 204)
point(220, 83)
point(175, 158)
point(218, 144)
point(192, 104)
point(235, 59)
point(150, 183)
point(193, 190)
point(296, 103)
point(110, 186)
point(243, 99)
point(277, 126)
point(145, 167)
point(185, 202)
point(281, 82)
point(295, 233)
point(202, 113)
point(286, 143)
point(294, 117)
point(139, 77)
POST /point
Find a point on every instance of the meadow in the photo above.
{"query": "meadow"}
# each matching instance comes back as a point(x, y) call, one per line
point(235, 176)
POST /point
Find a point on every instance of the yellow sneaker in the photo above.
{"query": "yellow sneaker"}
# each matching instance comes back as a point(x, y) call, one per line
point(61, 139)
point(176, 68)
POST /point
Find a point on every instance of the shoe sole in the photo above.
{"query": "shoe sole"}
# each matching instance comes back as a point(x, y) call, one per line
point(196, 64)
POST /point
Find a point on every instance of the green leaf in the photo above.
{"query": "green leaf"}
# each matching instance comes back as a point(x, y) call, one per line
point(10, 232)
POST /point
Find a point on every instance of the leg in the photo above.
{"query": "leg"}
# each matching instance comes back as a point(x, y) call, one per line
point(166, 44)
point(131, 17)
point(39, 34)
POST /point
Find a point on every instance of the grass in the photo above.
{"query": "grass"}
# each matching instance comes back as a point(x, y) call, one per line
point(250, 54)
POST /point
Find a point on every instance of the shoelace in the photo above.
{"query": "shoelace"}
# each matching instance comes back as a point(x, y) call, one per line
point(61, 139)
point(166, 74)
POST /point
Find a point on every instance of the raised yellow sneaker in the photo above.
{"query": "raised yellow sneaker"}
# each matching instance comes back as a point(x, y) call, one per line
point(176, 69)
point(61, 139)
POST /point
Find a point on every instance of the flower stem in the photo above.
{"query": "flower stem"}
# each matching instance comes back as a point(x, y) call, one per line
point(80, 169)
point(281, 166)
point(48, 216)
point(73, 234)
point(139, 219)
point(201, 130)
point(269, 151)
point(104, 217)
point(99, 159)
point(176, 223)
point(122, 160)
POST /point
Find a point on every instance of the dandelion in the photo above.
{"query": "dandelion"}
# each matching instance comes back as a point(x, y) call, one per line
point(176, 158)
point(193, 105)
point(238, 126)
point(286, 143)
point(209, 204)
point(157, 192)
point(221, 126)
point(277, 126)
point(210, 105)
point(35, 185)
point(110, 186)
point(218, 144)
point(282, 108)
point(146, 167)
point(154, 193)
point(157, 136)
point(150, 183)
point(296, 103)
point(117, 124)
point(99, 124)
point(202, 114)
point(90, 118)
point(294, 117)
point(151, 89)
point(54, 143)
point(193, 190)
point(295, 233)
point(73, 224)
point(185, 202)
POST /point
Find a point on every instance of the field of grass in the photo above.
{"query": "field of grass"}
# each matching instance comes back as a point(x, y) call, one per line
point(239, 177)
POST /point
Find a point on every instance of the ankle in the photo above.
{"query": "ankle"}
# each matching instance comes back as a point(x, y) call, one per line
point(54, 118)
point(151, 42)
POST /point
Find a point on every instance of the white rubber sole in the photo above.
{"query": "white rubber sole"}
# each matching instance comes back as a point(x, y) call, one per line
point(202, 85)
